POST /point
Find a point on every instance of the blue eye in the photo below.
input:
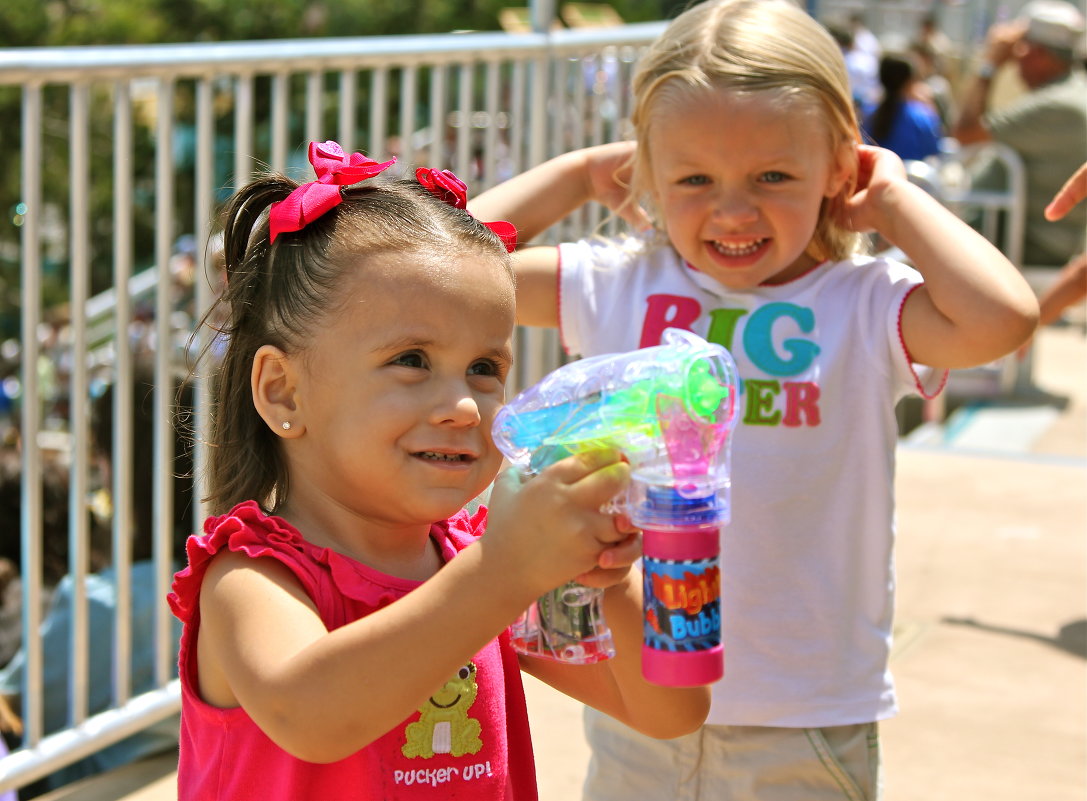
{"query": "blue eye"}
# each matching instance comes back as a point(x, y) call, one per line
point(774, 177)
point(695, 180)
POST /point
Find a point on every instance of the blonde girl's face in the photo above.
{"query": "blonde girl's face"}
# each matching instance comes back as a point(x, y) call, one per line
point(739, 180)
point(398, 390)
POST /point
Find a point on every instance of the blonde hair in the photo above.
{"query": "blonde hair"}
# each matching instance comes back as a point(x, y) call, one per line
point(752, 46)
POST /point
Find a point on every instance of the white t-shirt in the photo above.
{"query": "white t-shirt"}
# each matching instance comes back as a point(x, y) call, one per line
point(807, 587)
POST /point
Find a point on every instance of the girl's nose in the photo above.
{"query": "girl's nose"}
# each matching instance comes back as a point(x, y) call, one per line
point(458, 408)
point(734, 207)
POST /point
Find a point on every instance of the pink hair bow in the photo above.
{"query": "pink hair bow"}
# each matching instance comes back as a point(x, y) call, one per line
point(334, 169)
point(450, 189)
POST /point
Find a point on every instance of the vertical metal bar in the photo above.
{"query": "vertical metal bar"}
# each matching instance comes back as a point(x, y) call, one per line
point(490, 142)
point(314, 105)
point(530, 340)
point(379, 110)
point(629, 57)
point(163, 438)
point(207, 272)
point(542, 13)
point(78, 397)
point(582, 78)
point(408, 81)
point(556, 107)
point(464, 112)
point(516, 131)
point(31, 490)
point(123, 438)
point(348, 101)
point(280, 133)
point(578, 101)
point(243, 130)
point(600, 101)
point(537, 111)
point(438, 158)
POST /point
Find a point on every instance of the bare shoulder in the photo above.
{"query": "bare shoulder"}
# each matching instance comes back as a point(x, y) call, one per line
point(537, 270)
point(234, 577)
point(252, 611)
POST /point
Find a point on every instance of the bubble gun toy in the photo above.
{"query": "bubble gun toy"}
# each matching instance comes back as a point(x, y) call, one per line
point(669, 409)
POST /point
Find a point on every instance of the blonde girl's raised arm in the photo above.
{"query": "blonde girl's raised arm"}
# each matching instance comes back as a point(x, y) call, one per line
point(974, 305)
point(541, 196)
point(537, 271)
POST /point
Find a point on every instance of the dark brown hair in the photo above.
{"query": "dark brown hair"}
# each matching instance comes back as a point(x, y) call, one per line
point(896, 72)
point(278, 293)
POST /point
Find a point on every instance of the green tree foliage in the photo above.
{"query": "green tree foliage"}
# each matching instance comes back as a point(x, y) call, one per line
point(87, 22)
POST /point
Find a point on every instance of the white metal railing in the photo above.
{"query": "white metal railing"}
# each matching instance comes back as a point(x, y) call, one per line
point(485, 105)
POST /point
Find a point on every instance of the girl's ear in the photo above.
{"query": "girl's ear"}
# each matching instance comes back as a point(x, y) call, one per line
point(273, 383)
point(843, 170)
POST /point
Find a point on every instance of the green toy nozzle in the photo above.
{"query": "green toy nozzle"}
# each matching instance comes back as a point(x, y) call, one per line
point(704, 392)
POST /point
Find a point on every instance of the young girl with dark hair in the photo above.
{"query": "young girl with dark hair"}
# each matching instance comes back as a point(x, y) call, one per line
point(345, 623)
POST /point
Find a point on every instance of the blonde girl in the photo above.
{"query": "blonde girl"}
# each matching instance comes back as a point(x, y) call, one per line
point(752, 195)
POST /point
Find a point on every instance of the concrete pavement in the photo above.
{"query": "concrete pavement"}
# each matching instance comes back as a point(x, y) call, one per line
point(991, 632)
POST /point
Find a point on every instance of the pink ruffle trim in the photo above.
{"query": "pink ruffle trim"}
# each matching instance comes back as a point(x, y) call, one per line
point(246, 529)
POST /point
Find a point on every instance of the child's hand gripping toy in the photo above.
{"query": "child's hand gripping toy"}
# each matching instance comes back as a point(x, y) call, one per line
point(669, 409)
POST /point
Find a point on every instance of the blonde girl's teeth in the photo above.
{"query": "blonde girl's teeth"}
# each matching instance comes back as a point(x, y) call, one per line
point(738, 250)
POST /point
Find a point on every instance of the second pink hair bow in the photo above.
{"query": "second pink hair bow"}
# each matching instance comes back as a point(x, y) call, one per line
point(334, 169)
point(450, 189)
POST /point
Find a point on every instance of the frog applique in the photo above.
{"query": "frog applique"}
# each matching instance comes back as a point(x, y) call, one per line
point(444, 726)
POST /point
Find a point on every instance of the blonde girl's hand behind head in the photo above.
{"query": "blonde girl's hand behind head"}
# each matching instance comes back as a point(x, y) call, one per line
point(609, 170)
point(549, 528)
point(974, 305)
point(877, 171)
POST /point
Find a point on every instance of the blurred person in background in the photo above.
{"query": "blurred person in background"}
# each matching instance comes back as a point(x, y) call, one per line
point(100, 585)
point(1070, 285)
point(1046, 125)
point(901, 122)
point(933, 85)
point(861, 66)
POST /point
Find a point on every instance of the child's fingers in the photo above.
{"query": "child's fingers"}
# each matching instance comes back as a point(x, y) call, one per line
point(1073, 191)
point(601, 578)
point(866, 156)
point(598, 487)
point(635, 216)
point(613, 563)
point(622, 553)
point(600, 465)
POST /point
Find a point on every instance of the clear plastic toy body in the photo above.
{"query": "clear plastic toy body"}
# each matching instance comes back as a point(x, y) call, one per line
point(669, 409)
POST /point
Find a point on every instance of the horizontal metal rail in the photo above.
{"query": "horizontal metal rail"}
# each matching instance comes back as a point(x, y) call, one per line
point(70, 64)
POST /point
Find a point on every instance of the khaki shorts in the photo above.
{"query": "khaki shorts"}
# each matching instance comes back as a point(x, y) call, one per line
point(733, 763)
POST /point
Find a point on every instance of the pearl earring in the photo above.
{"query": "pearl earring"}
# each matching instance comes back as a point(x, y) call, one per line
point(286, 425)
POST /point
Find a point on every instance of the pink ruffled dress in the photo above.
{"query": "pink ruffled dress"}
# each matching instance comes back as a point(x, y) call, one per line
point(469, 741)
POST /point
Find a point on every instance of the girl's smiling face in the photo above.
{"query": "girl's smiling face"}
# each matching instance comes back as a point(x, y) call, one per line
point(397, 390)
point(740, 180)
